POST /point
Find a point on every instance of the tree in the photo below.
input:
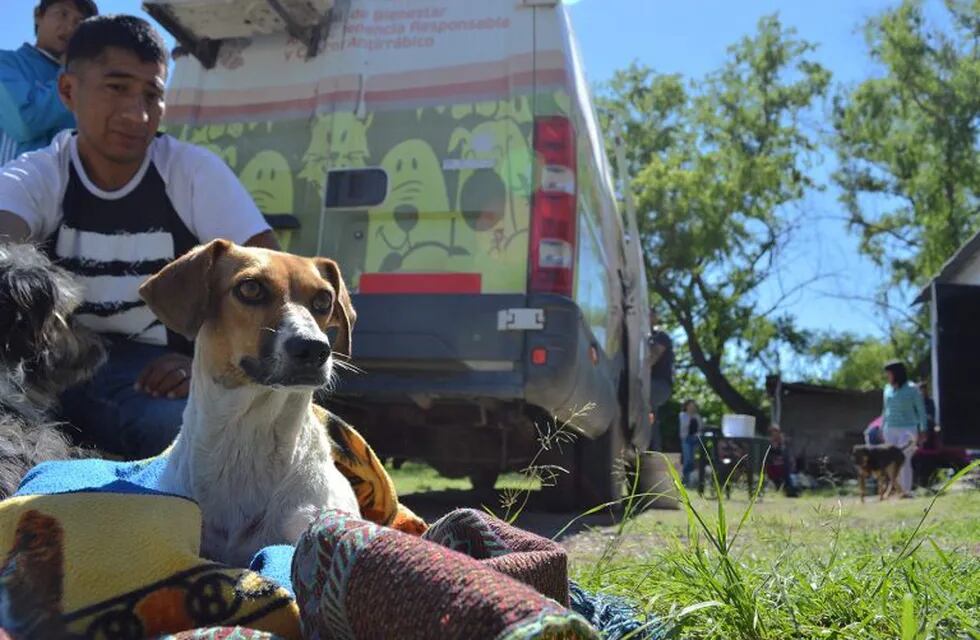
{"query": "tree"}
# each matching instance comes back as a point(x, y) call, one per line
point(907, 141)
point(907, 144)
point(858, 363)
point(716, 165)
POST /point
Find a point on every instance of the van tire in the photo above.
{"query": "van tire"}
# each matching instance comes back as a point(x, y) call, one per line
point(596, 472)
point(601, 470)
point(484, 480)
point(559, 490)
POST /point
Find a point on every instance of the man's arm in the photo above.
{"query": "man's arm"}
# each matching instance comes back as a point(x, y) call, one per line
point(30, 187)
point(215, 202)
point(264, 240)
point(13, 228)
point(28, 109)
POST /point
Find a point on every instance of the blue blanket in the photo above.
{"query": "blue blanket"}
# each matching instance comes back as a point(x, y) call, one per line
point(143, 478)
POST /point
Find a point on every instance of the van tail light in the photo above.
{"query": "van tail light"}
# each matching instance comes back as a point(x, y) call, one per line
point(553, 219)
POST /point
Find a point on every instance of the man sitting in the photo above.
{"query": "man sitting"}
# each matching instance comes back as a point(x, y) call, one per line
point(116, 201)
point(779, 462)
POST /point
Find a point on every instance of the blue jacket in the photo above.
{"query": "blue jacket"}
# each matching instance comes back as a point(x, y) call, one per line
point(31, 112)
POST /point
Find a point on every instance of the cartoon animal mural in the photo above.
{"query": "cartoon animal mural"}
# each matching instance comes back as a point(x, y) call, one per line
point(221, 139)
point(269, 180)
point(517, 108)
point(337, 141)
point(458, 191)
point(494, 196)
point(415, 229)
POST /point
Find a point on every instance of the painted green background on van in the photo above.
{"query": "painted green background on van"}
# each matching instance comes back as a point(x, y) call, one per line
point(428, 221)
point(457, 220)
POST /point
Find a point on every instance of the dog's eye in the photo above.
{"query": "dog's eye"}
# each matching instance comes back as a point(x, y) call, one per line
point(322, 303)
point(250, 291)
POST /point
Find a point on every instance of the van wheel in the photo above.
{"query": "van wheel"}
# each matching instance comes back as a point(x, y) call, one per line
point(483, 481)
point(602, 472)
point(559, 484)
point(596, 472)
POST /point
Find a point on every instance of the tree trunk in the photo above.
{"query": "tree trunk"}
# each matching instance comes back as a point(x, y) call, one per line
point(711, 367)
point(731, 396)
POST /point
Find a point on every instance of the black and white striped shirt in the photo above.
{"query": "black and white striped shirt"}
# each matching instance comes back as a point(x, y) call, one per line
point(181, 196)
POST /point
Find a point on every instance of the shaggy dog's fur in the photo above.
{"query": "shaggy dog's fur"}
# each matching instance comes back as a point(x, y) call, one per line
point(42, 353)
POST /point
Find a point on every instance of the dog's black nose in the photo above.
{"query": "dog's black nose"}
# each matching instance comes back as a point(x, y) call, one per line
point(309, 351)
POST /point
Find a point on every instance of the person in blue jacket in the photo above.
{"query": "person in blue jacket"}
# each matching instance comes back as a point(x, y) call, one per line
point(31, 112)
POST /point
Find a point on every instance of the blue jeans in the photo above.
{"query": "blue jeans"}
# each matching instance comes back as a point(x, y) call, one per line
point(689, 447)
point(113, 416)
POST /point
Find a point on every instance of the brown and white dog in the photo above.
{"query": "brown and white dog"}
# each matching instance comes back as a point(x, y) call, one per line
point(251, 452)
point(883, 461)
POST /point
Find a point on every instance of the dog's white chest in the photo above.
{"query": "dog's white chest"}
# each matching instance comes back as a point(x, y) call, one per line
point(260, 490)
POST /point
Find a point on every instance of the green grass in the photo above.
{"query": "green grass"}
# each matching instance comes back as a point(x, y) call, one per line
point(420, 478)
point(813, 567)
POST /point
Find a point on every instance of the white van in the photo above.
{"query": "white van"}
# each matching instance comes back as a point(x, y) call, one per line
point(447, 155)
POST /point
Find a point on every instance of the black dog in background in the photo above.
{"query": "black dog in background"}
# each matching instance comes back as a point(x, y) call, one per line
point(42, 353)
point(883, 462)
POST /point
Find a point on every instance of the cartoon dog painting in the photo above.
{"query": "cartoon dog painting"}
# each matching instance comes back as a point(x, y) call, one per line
point(408, 231)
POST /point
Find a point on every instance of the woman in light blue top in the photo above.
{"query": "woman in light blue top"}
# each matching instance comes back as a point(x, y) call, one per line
point(904, 418)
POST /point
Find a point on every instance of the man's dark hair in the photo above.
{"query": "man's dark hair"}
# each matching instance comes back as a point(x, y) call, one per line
point(130, 33)
point(86, 7)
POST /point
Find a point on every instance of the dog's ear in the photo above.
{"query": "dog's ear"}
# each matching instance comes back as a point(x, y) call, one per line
point(180, 293)
point(343, 316)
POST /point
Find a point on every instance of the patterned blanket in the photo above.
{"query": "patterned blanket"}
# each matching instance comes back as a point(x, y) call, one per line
point(92, 549)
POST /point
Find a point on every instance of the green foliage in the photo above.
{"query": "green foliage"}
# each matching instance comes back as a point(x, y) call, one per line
point(908, 141)
point(806, 568)
point(716, 166)
point(862, 368)
point(856, 363)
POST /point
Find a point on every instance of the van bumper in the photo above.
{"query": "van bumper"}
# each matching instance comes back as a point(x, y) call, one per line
point(425, 350)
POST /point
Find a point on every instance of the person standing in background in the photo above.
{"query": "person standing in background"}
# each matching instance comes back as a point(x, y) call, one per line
point(661, 348)
point(780, 465)
point(930, 404)
point(31, 111)
point(690, 427)
point(904, 418)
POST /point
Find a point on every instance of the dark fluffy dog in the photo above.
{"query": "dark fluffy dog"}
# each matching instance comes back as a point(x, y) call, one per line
point(42, 353)
point(883, 461)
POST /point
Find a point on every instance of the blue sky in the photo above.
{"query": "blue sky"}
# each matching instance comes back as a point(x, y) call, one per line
point(690, 38)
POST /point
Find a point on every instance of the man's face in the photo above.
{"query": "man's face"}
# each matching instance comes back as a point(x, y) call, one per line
point(56, 26)
point(117, 100)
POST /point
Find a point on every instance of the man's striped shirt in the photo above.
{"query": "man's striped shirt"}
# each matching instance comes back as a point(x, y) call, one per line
point(181, 196)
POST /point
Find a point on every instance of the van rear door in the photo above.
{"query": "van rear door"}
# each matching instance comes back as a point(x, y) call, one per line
point(437, 262)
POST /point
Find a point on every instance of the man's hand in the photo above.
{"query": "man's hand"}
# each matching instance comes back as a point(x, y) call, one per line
point(168, 376)
point(13, 228)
